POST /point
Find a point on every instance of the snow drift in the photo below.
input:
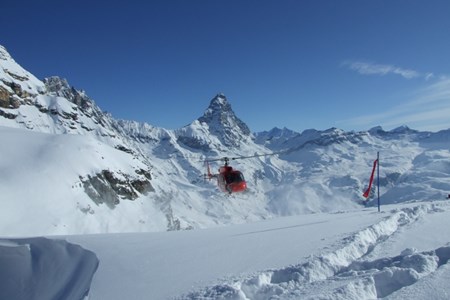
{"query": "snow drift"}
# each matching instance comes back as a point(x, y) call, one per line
point(344, 273)
point(42, 269)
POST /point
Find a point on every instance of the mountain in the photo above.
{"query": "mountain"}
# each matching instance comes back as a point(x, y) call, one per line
point(78, 169)
point(223, 123)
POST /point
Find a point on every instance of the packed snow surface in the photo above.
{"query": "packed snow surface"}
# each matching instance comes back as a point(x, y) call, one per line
point(357, 254)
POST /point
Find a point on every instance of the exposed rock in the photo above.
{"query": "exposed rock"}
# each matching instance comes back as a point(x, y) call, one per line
point(4, 97)
point(194, 143)
point(17, 90)
point(219, 114)
point(106, 187)
point(124, 149)
point(7, 97)
point(145, 173)
point(223, 122)
point(7, 115)
point(17, 77)
point(60, 87)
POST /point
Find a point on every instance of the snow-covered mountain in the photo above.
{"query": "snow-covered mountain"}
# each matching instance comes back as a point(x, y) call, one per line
point(77, 169)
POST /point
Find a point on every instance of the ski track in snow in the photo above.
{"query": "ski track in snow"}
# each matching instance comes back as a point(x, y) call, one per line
point(342, 273)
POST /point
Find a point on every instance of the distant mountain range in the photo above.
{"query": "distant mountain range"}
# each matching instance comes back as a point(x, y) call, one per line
point(68, 167)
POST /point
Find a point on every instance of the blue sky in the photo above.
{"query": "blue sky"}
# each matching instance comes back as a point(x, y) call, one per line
point(296, 64)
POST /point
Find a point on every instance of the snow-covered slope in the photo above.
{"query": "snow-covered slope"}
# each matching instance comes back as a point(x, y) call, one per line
point(333, 164)
point(79, 170)
point(52, 184)
point(50, 106)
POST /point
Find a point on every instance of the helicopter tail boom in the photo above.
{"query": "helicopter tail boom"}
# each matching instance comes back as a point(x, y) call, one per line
point(209, 175)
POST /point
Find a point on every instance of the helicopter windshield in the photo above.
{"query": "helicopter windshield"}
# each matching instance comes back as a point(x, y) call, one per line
point(234, 177)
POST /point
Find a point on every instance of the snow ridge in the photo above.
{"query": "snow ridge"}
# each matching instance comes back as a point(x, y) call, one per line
point(355, 278)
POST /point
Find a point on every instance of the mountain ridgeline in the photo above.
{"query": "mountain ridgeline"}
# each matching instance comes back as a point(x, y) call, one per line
point(108, 175)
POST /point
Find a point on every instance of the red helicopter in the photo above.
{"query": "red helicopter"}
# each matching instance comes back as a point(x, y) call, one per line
point(230, 180)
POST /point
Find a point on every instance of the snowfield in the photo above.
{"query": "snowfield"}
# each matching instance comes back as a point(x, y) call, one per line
point(400, 253)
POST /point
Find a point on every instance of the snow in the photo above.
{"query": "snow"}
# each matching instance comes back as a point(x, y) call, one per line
point(299, 231)
point(41, 172)
point(400, 253)
point(11, 71)
point(40, 268)
point(175, 261)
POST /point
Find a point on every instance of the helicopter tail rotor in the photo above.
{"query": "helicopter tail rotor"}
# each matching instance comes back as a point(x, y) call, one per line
point(208, 175)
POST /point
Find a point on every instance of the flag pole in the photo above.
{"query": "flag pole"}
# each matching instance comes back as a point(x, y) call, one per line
point(378, 179)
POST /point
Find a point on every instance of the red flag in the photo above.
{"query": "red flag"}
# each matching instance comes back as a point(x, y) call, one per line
point(367, 192)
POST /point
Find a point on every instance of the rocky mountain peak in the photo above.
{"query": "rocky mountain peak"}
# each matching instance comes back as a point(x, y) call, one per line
point(218, 106)
point(377, 130)
point(17, 86)
point(220, 116)
point(219, 126)
point(403, 129)
point(51, 105)
point(220, 102)
point(223, 122)
point(56, 84)
point(60, 87)
point(4, 55)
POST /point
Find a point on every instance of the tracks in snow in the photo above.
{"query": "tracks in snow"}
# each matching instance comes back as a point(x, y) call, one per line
point(342, 273)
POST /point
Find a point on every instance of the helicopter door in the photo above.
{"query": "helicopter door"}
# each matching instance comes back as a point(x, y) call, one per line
point(221, 182)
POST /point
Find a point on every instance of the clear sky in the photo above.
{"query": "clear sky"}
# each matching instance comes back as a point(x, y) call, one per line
point(300, 64)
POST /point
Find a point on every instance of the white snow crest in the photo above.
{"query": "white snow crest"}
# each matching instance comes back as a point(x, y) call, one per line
point(289, 282)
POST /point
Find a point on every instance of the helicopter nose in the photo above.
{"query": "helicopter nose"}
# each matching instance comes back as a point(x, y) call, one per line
point(238, 186)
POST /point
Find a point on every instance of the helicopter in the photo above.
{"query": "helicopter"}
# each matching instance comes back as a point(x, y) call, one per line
point(230, 180)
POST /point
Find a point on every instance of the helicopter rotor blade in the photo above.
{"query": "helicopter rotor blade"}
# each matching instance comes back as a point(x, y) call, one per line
point(226, 159)
point(217, 159)
point(257, 155)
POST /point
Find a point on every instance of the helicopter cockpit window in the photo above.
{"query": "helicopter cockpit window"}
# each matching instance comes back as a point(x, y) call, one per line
point(235, 177)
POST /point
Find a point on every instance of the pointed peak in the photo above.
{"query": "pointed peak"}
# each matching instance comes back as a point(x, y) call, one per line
point(403, 129)
point(219, 101)
point(219, 105)
point(55, 83)
point(220, 96)
point(58, 86)
point(281, 131)
point(4, 55)
point(377, 130)
point(222, 120)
